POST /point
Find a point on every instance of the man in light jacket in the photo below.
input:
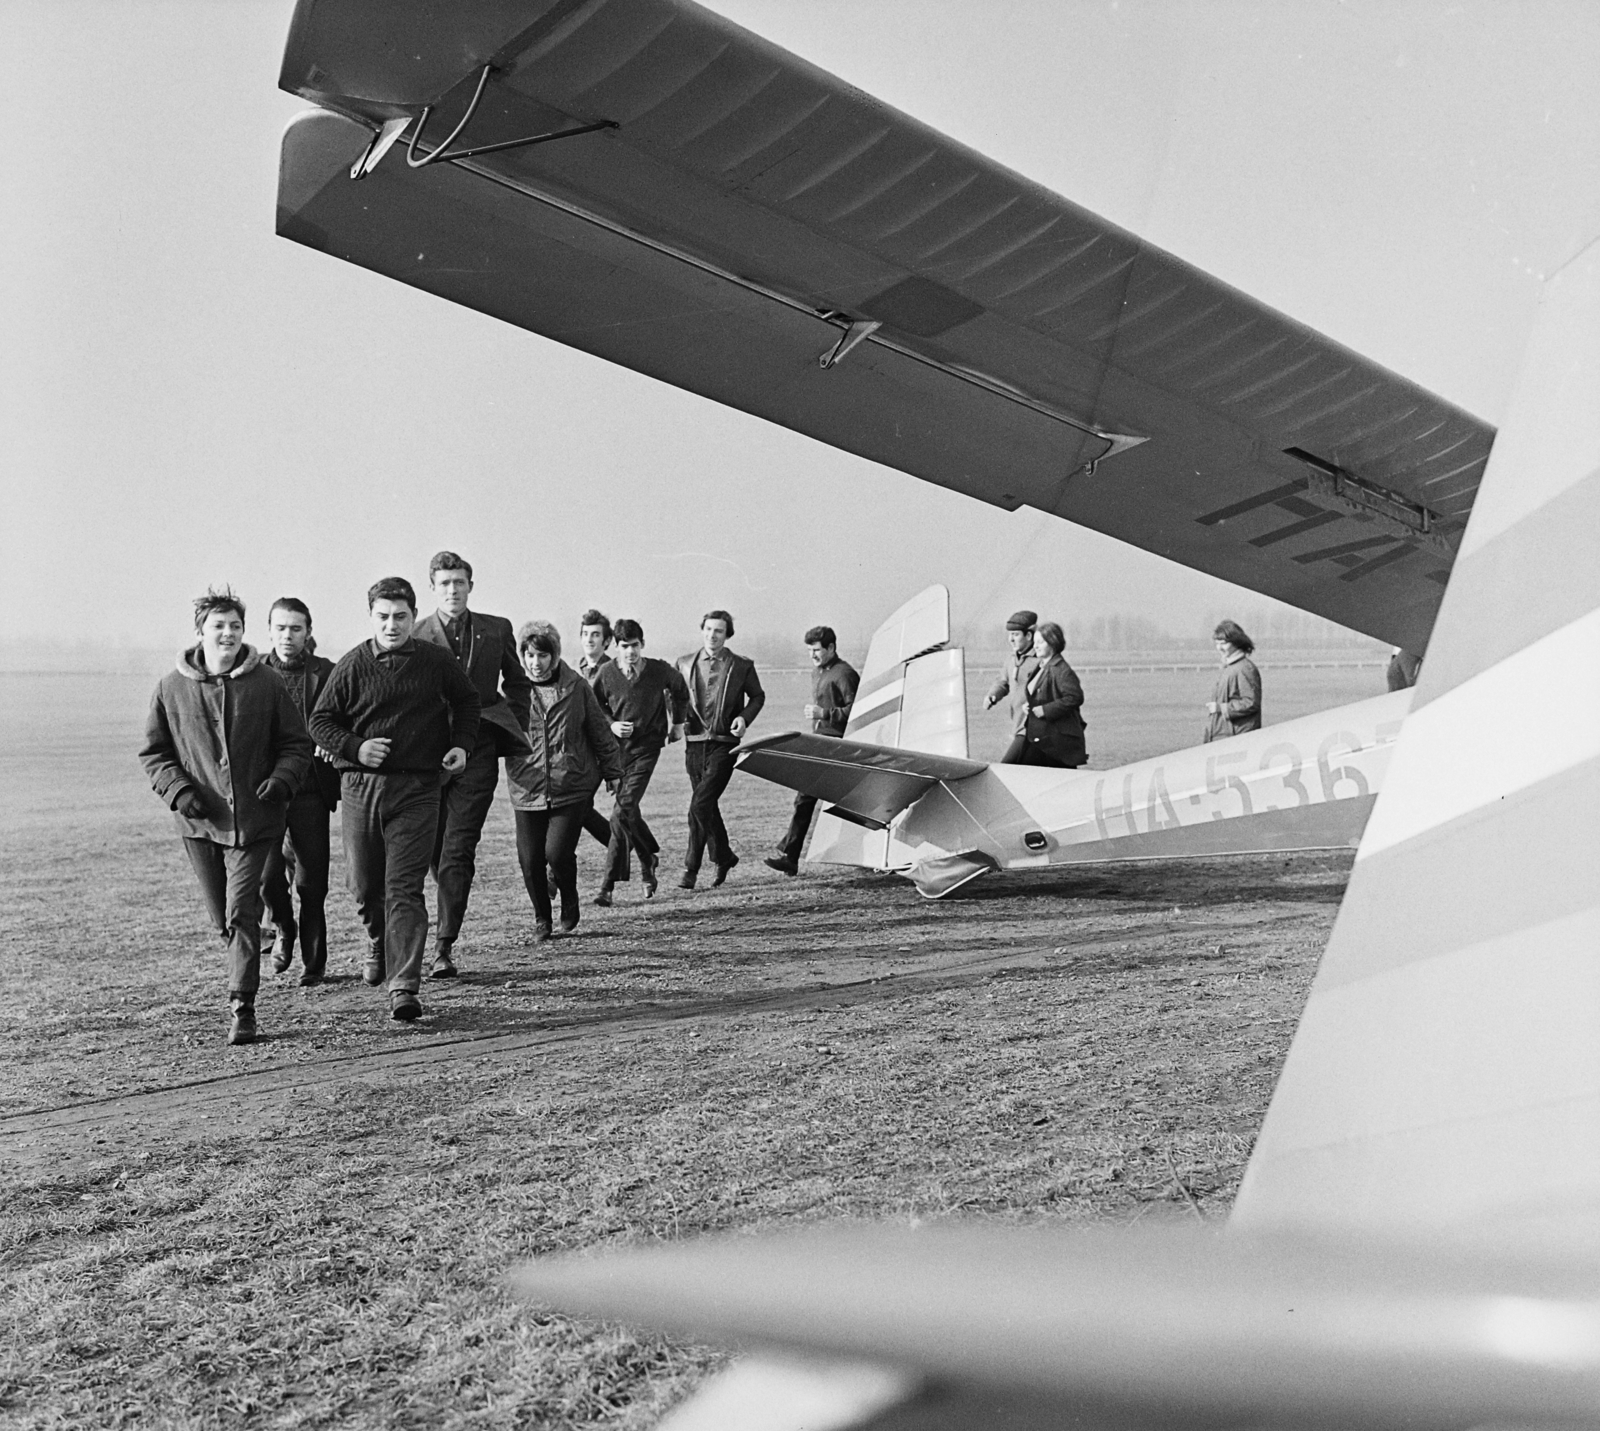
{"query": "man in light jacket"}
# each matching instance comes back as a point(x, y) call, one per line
point(486, 650)
point(1012, 687)
point(226, 750)
point(725, 697)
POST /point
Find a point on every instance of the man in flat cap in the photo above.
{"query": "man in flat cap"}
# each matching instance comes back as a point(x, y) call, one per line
point(1012, 685)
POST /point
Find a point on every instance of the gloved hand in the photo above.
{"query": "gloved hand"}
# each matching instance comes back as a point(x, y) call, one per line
point(272, 791)
point(189, 804)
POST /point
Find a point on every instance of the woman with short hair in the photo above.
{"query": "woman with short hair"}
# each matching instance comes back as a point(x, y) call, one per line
point(552, 790)
point(1235, 705)
point(1053, 731)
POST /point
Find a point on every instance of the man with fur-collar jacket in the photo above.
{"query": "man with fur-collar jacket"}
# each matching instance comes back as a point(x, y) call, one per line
point(486, 650)
point(725, 697)
point(226, 750)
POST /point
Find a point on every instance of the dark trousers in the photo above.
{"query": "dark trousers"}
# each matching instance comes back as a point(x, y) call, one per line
point(301, 858)
point(389, 823)
point(710, 767)
point(230, 885)
point(794, 838)
point(598, 826)
point(628, 829)
point(464, 802)
point(550, 838)
point(1016, 752)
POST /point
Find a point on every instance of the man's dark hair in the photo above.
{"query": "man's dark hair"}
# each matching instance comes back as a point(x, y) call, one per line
point(215, 600)
point(291, 603)
point(448, 561)
point(718, 615)
point(821, 636)
point(1233, 634)
point(393, 588)
point(591, 617)
point(628, 629)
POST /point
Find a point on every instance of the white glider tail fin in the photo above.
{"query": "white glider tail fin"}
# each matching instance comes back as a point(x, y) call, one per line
point(913, 696)
point(1446, 1074)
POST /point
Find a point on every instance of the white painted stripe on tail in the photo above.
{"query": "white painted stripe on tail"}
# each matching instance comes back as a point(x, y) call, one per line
point(1494, 735)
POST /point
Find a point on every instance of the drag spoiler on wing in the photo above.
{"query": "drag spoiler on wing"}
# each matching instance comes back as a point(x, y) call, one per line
point(869, 784)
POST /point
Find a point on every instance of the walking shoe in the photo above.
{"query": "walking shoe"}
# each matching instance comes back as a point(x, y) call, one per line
point(569, 918)
point(444, 967)
point(603, 897)
point(782, 864)
point(311, 978)
point(647, 872)
point(373, 970)
point(243, 1028)
point(284, 956)
point(687, 882)
point(405, 1006)
point(541, 931)
point(723, 867)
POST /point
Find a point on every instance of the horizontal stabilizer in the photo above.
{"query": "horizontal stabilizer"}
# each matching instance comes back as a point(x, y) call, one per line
point(871, 782)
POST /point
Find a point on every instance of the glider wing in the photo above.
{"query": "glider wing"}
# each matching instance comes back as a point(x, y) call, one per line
point(724, 216)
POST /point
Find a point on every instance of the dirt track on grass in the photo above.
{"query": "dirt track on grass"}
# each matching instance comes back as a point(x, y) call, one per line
point(123, 1118)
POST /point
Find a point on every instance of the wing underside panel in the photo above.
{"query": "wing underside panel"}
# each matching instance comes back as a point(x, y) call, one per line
point(749, 213)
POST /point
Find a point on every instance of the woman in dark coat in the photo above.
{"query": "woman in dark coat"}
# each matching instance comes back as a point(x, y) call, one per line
point(1235, 705)
point(552, 790)
point(1054, 729)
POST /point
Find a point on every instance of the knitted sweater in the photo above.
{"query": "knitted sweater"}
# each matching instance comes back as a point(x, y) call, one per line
point(423, 702)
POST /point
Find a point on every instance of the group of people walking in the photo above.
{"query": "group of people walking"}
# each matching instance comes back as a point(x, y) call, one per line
point(254, 752)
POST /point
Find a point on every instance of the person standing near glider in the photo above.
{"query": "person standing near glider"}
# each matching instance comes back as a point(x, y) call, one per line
point(645, 701)
point(725, 697)
point(1053, 713)
point(226, 750)
point(833, 690)
point(396, 713)
point(302, 854)
point(1012, 686)
point(486, 651)
point(552, 789)
point(1235, 705)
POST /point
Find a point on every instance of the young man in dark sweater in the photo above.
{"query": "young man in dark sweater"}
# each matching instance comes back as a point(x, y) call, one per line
point(645, 700)
point(302, 854)
point(395, 713)
point(833, 691)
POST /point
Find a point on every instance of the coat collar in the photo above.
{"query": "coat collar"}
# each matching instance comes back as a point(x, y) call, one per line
point(188, 664)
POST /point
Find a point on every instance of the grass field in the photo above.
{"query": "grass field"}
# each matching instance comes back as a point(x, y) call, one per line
point(312, 1231)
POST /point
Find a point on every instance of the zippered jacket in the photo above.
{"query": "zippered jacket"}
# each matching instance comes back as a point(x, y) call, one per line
point(221, 736)
point(572, 746)
point(833, 692)
point(741, 696)
point(1238, 698)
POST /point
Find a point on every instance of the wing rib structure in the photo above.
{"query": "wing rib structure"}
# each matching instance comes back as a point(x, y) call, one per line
point(750, 215)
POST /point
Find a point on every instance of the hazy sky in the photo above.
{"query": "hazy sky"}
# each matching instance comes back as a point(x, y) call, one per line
point(185, 398)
